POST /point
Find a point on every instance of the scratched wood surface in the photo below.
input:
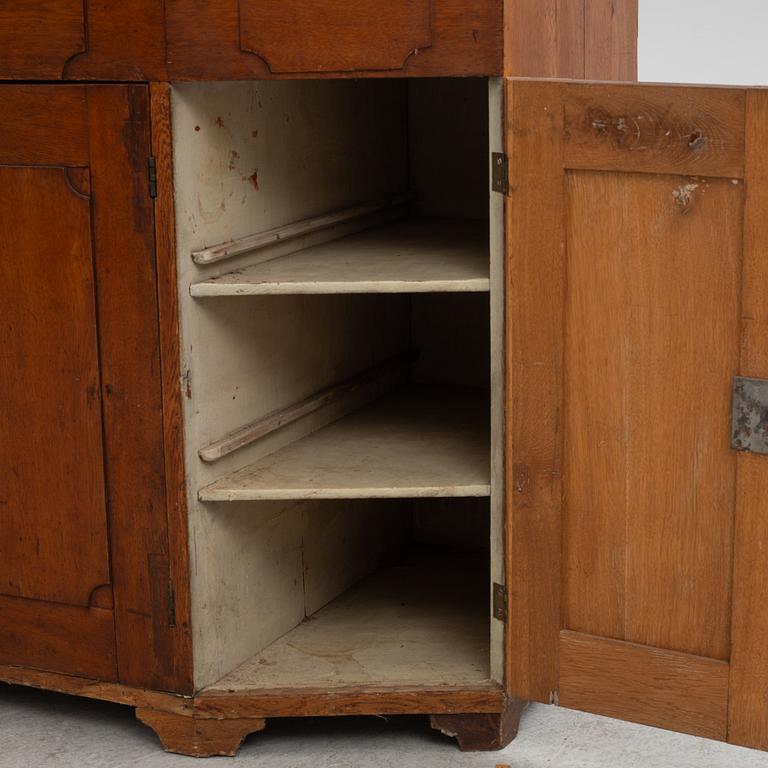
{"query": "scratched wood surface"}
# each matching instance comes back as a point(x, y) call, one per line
point(625, 270)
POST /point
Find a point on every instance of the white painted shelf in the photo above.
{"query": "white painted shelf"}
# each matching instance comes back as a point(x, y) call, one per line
point(417, 442)
point(411, 625)
point(410, 256)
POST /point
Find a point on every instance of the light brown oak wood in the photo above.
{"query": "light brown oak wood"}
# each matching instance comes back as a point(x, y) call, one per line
point(644, 684)
point(748, 705)
point(648, 480)
point(627, 293)
point(534, 352)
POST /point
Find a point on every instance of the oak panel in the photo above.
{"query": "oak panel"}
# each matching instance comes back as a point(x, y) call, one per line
point(652, 326)
point(54, 533)
point(645, 685)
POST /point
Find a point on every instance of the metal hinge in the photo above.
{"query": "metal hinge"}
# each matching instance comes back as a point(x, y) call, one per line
point(171, 605)
point(749, 424)
point(152, 167)
point(499, 173)
point(500, 602)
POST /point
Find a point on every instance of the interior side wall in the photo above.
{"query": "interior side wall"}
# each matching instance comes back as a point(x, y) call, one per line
point(249, 157)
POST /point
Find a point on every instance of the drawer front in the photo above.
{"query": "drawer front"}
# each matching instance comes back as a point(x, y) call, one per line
point(38, 37)
point(243, 39)
point(61, 40)
point(334, 35)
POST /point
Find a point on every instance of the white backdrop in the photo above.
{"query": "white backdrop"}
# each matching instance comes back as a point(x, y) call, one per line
point(704, 41)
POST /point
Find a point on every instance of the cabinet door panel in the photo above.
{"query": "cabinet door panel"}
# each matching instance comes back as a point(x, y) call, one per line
point(51, 468)
point(632, 302)
point(85, 567)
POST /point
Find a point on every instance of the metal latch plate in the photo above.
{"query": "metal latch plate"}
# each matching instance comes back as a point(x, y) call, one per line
point(749, 426)
point(499, 602)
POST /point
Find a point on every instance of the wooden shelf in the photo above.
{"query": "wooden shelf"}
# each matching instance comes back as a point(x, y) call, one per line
point(417, 442)
point(406, 625)
point(411, 256)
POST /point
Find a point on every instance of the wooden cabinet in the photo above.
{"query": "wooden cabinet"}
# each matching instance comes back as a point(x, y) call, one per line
point(84, 544)
point(301, 419)
point(636, 294)
point(77, 40)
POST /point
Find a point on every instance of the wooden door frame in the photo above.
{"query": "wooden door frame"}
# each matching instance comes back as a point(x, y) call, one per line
point(726, 700)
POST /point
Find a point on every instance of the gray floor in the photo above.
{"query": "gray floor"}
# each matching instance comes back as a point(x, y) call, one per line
point(40, 729)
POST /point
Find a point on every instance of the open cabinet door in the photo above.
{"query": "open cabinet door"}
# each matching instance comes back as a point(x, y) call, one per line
point(637, 291)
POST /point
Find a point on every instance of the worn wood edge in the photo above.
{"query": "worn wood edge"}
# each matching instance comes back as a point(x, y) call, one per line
point(95, 689)
point(748, 683)
point(477, 732)
point(289, 702)
point(693, 698)
point(309, 702)
point(296, 229)
point(255, 430)
point(532, 499)
point(170, 362)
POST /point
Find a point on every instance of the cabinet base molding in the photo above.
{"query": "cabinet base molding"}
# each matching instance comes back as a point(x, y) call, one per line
point(215, 722)
point(482, 732)
point(198, 736)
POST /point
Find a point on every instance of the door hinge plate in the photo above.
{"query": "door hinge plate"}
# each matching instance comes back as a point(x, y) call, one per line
point(499, 173)
point(749, 423)
point(500, 602)
point(152, 170)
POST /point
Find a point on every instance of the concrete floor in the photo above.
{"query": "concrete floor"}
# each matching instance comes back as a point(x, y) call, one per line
point(41, 730)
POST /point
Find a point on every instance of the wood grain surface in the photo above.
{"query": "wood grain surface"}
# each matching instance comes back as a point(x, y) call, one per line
point(748, 706)
point(643, 684)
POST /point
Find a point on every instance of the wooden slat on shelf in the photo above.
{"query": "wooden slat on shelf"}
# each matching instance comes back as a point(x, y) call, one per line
point(411, 256)
point(295, 229)
point(420, 442)
point(255, 430)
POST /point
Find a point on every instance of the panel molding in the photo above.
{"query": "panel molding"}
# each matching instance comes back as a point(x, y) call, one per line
point(298, 36)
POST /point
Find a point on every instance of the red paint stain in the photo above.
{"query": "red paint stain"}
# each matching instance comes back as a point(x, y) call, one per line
point(197, 127)
point(233, 156)
point(254, 178)
point(219, 122)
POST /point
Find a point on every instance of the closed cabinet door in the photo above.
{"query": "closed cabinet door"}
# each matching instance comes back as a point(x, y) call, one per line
point(83, 546)
point(637, 299)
